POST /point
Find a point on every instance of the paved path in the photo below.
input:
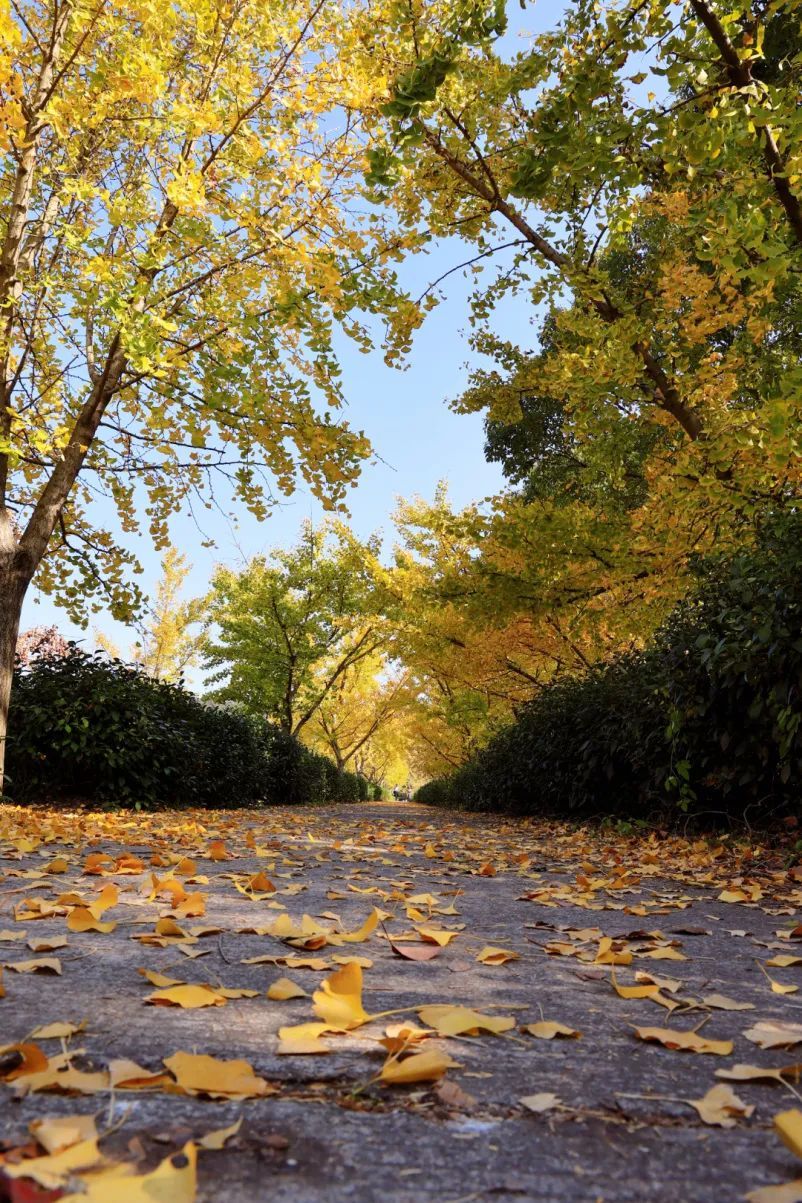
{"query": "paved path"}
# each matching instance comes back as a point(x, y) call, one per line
point(619, 1130)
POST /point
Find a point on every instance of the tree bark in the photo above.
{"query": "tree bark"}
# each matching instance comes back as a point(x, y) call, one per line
point(13, 587)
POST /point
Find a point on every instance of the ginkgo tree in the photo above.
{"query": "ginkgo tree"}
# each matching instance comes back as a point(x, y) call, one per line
point(181, 232)
point(285, 630)
point(559, 159)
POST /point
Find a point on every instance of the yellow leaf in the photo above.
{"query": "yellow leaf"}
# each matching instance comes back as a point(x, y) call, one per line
point(283, 988)
point(433, 935)
point(63, 1131)
point(362, 933)
point(42, 965)
point(57, 1031)
point(187, 996)
point(540, 1102)
point(339, 1000)
point(721, 1107)
point(427, 1066)
point(217, 1138)
point(81, 918)
point(684, 1041)
point(769, 1033)
point(159, 979)
point(462, 1021)
point(55, 1169)
point(664, 954)
point(547, 1029)
point(196, 1073)
point(302, 1040)
point(175, 1180)
point(789, 1128)
point(721, 1002)
point(496, 956)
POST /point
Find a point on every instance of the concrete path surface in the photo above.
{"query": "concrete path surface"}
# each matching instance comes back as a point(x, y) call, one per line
point(699, 936)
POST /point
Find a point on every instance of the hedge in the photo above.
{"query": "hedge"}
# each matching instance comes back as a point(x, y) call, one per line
point(90, 729)
point(705, 721)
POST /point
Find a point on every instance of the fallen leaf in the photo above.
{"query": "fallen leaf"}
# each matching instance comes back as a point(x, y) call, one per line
point(428, 1066)
point(283, 989)
point(684, 1041)
point(496, 956)
point(770, 1033)
point(42, 965)
point(540, 1102)
point(187, 996)
point(462, 1021)
point(788, 1125)
point(304, 1039)
point(760, 1073)
point(81, 919)
point(721, 1107)
point(175, 1180)
point(547, 1029)
point(200, 1074)
point(338, 1002)
point(217, 1138)
point(62, 1131)
point(721, 1003)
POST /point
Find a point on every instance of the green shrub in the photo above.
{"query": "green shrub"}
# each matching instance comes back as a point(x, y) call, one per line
point(86, 728)
point(706, 721)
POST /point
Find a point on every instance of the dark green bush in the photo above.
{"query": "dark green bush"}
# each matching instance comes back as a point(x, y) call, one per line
point(86, 728)
point(706, 721)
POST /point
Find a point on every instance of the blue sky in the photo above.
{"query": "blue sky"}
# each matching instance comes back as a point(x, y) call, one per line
point(417, 440)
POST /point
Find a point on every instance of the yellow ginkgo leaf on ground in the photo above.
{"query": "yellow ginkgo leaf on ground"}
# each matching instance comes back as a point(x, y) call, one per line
point(540, 1102)
point(496, 956)
point(649, 990)
point(57, 1031)
point(217, 1138)
point(663, 954)
point(607, 954)
point(338, 1002)
point(108, 897)
point(770, 1033)
point(433, 935)
point(547, 1029)
point(345, 959)
point(283, 989)
point(363, 932)
point(196, 1073)
point(127, 1075)
point(187, 996)
point(159, 979)
point(61, 1132)
point(760, 1073)
point(428, 1066)
point(462, 1021)
point(783, 961)
point(49, 944)
point(721, 1107)
point(41, 965)
point(302, 1040)
point(398, 1036)
point(721, 1002)
point(54, 1169)
point(788, 1125)
point(684, 1041)
point(81, 919)
point(261, 883)
point(217, 851)
point(175, 1180)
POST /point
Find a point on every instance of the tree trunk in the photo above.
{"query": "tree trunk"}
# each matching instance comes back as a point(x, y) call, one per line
point(13, 587)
